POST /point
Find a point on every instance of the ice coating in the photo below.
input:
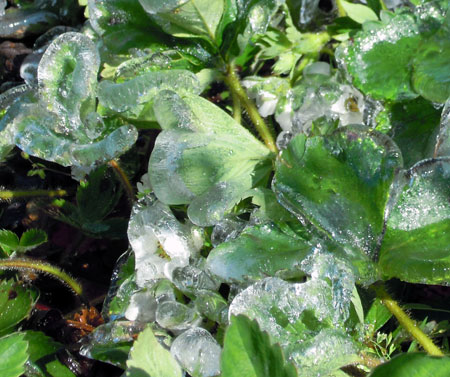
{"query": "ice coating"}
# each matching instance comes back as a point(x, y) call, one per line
point(18, 23)
point(190, 279)
point(160, 243)
point(280, 308)
point(2, 7)
point(142, 307)
point(197, 352)
point(67, 75)
point(142, 89)
point(443, 140)
point(212, 305)
point(176, 316)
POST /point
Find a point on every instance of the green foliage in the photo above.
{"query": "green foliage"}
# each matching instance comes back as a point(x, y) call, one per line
point(413, 365)
point(96, 199)
point(13, 352)
point(149, 358)
point(239, 243)
point(248, 351)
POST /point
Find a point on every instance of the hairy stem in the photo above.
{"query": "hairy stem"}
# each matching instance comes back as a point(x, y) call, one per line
point(237, 110)
point(232, 80)
point(20, 194)
point(123, 179)
point(41, 267)
point(407, 323)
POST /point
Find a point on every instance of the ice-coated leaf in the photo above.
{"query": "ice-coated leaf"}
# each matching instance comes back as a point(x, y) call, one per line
point(186, 18)
point(212, 305)
point(13, 355)
point(369, 55)
point(32, 238)
point(431, 65)
point(15, 304)
point(203, 157)
point(248, 351)
point(250, 18)
point(149, 358)
point(340, 183)
point(142, 89)
point(111, 342)
point(197, 352)
point(176, 316)
point(415, 247)
point(302, 318)
point(58, 123)
point(36, 135)
point(67, 76)
point(413, 126)
point(413, 365)
point(123, 25)
point(159, 241)
point(260, 251)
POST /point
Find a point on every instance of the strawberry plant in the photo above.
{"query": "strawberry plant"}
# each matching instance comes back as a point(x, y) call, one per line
point(297, 172)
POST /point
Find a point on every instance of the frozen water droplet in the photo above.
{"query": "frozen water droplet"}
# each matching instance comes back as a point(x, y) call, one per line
point(175, 316)
point(142, 307)
point(190, 279)
point(283, 139)
point(227, 229)
point(197, 352)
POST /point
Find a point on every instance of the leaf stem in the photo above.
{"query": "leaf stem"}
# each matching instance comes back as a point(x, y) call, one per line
point(123, 179)
point(237, 110)
point(19, 194)
point(406, 322)
point(232, 80)
point(42, 267)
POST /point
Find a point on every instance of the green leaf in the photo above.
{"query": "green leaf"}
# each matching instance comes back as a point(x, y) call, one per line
point(372, 69)
point(8, 241)
point(415, 248)
point(98, 196)
point(306, 319)
point(414, 125)
point(341, 185)
point(413, 365)
point(123, 25)
point(189, 18)
point(13, 355)
point(31, 239)
point(15, 304)
point(42, 356)
point(149, 358)
point(203, 157)
point(431, 66)
point(358, 12)
point(377, 315)
point(259, 251)
point(248, 352)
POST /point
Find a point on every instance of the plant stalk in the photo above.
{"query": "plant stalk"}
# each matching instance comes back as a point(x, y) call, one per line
point(41, 267)
point(10, 194)
point(123, 179)
point(232, 80)
point(406, 322)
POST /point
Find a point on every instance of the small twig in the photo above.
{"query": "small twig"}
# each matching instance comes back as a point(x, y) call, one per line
point(406, 322)
point(123, 179)
point(42, 267)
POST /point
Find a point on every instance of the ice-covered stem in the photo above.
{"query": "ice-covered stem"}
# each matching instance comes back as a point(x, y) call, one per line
point(232, 80)
point(20, 194)
point(123, 179)
point(406, 322)
point(41, 267)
